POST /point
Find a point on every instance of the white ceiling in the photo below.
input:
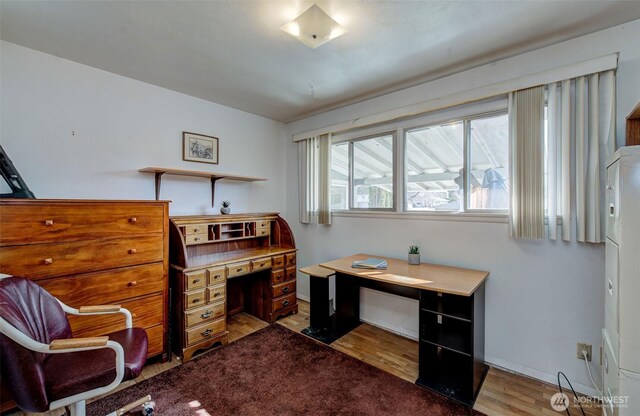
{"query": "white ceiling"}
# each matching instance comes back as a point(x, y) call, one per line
point(233, 52)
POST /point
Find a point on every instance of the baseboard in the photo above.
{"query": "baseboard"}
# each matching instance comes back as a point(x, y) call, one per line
point(538, 375)
point(303, 297)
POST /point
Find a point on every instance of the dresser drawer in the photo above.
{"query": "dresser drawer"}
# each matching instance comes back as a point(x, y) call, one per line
point(204, 314)
point(282, 302)
point(261, 264)
point(284, 289)
point(195, 280)
point(196, 239)
point(290, 260)
point(261, 232)
point(238, 269)
point(205, 331)
point(216, 293)
point(196, 229)
point(277, 276)
point(107, 287)
point(32, 223)
point(156, 340)
point(278, 262)
point(146, 312)
point(194, 299)
point(290, 273)
point(263, 224)
point(46, 260)
point(216, 276)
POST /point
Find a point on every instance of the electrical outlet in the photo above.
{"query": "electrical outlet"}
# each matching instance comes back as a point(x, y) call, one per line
point(583, 347)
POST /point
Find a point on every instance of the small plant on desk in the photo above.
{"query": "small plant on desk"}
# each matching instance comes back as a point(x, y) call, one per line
point(225, 207)
point(414, 254)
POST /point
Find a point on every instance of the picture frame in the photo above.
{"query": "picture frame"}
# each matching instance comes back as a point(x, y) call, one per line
point(199, 148)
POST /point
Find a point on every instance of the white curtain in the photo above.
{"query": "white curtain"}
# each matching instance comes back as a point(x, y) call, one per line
point(314, 167)
point(526, 124)
point(591, 100)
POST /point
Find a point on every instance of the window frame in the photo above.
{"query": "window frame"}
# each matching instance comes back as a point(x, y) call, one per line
point(397, 128)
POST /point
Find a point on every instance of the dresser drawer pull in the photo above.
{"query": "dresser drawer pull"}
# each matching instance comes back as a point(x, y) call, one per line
point(48, 223)
point(195, 281)
point(133, 220)
point(217, 276)
point(206, 333)
point(133, 251)
point(195, 230)
point(285, 289)
point(239, 270)
point(285, 303)
point(133, 283)
point(196, 300)
point(206, 315)
point(48, 261)
point(196, 239)
point(215, 295)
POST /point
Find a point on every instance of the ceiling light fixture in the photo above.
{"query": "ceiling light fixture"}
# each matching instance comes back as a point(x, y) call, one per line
point(313, 27)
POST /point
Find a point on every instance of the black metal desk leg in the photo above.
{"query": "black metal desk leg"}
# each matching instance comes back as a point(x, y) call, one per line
point(347, 316)
point(319, 317)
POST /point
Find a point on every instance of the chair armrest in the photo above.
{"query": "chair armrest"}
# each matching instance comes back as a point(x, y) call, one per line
point(99, 308)
point(72, 343)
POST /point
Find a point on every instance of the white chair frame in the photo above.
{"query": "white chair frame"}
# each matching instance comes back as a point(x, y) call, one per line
point(78, 402)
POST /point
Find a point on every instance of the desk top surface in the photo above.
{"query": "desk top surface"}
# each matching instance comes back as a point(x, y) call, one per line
point(447, 279)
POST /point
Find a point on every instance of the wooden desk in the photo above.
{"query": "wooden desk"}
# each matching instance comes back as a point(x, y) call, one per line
point(451, 321)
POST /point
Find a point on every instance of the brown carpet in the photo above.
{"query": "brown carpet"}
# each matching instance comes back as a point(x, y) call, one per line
point(276, 371)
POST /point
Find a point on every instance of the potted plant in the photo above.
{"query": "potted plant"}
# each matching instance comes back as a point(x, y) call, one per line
point(414, 254)
point(225, 207)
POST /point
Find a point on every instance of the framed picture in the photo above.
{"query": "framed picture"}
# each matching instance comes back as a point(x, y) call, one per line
point(199, 148)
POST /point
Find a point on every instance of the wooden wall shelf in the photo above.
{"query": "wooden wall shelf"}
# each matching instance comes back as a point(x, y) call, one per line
point(198, 174)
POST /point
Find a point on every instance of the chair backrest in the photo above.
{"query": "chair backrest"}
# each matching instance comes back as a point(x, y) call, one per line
point(38, 315)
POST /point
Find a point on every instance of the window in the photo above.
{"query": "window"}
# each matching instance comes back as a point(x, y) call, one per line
point(362, 173)
point(435, 161)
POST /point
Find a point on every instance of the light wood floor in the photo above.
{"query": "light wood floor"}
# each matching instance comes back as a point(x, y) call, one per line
point(502, 394)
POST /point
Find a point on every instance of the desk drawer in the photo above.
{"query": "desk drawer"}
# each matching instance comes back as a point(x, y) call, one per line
point(282, 302)
point(261, 232)
point(204, 314)
point(216, 276)
point(445, 331)
point(454, 305)
point(263, 224)
point(290, 260)
point(47, 260)
point(277, 276)
point(205, 331)
point(156, 340)
point(32, 223)
point(261, 264)
point(196, 239)
point(107, 287)
point(238, 269)
point(194, 280)
point(194, 299)
point(284, 289)
point(278, 262)
point(216, 293)
point(290, 273)
point(196, 229)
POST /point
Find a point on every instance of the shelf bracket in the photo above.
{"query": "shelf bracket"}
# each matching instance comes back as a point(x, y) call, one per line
point(158, 182)
point(213, 191)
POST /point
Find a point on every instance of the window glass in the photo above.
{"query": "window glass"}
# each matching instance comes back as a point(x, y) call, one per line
point(434, 158)
point(489, 152)
point(373, 172)
point(340, 176)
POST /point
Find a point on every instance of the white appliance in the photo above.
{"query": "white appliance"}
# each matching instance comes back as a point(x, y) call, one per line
point(621, 334)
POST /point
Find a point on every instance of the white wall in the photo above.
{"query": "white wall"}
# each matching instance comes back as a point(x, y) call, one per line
point(122, 125)
point(542, 296)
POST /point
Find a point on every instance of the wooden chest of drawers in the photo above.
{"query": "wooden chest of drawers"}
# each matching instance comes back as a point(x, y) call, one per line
point(239, 263)
point(93, 252)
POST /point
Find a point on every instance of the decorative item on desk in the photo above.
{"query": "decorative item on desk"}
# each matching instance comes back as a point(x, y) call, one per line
point(414, 254)
point(225, 207)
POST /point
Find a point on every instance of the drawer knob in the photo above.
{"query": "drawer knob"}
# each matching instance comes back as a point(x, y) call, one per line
point(48, 261)
point(215, 295)
point(285, 303)
point(206, 315)
point(285, 289)
point(48, 223)
point(133, 220)
point(196, 281)
point(133, 251)
point(196, 300)
point(239, 270)
point(196, 239)
point(195, 230)
point(133, 283)
point(207, 332)
point(217, 276)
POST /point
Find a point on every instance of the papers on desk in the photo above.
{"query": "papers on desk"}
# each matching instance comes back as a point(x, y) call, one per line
point(370, 263)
